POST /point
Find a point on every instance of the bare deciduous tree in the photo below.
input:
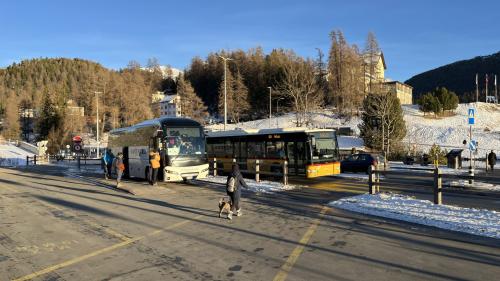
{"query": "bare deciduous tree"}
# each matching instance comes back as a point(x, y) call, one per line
point(300, 87)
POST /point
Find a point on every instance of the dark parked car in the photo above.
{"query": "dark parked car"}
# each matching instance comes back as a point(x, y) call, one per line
point(360, 162)
point(410, 160)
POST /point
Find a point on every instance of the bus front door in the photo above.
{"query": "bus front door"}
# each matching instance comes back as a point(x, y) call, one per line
point(292, 158)
point(126, 173)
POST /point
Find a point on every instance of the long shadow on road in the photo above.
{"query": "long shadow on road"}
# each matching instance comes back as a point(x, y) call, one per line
point(302, 203)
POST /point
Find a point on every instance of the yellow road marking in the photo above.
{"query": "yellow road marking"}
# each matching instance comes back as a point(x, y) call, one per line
point(102, 251)
point(294, 256)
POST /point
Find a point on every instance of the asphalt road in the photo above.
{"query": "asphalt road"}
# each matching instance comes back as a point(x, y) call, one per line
point(57, 224)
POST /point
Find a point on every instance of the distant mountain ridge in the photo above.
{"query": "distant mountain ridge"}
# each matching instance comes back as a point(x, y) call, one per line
point(459, 77)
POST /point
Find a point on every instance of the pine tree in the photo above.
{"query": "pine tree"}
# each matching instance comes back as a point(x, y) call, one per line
point(49, 117)
point(191, 105)
point(239, 100)
point(383, 125)
point(346, 74)
point(11, 128)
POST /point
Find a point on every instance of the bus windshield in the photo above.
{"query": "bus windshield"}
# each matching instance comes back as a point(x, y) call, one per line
point(324, 147)
point(184, 141)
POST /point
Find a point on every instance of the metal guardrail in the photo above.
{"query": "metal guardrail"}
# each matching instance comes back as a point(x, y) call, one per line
point(31, 159)
point(437, 174)
point(257, 172)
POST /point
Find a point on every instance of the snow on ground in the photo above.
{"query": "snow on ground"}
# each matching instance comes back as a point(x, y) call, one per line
point(320, 119)
point(11, 155)
point(417, 168)
point(422, 131)
point(475, 185)
point(262, 186)
point(357, 176)
point(401, 207)
point(451, 131)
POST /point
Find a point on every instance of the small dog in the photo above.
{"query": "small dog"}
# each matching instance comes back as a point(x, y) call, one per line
point(224, 206)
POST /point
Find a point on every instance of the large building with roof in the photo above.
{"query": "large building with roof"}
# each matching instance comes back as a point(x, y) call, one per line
point(376, 78)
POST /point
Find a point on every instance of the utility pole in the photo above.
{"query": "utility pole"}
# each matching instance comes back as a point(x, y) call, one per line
point(477, 89)
point(486, 86)
point(270, 106)
point(496, 90)
point(97, 122)
point(225, 89)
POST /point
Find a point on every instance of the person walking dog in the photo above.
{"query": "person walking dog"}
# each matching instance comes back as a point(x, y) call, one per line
point(233, 188)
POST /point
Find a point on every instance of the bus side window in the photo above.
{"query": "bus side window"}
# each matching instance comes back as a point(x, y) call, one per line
point(251, 150)
point(275, 149)
point(210, 150)
point(219, 150)
point(237, 153)
point(243, 150)
point(229, 149)
point(255, 150)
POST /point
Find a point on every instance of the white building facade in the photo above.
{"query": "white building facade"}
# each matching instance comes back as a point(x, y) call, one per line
point(170, 106)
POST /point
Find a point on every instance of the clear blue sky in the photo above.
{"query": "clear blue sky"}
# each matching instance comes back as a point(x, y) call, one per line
point(415, 35)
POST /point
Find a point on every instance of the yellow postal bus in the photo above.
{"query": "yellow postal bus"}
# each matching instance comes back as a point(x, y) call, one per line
point(311, 153)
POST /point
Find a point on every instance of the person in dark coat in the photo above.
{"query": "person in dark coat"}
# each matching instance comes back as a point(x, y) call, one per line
point(492, 159)
point(236, 194)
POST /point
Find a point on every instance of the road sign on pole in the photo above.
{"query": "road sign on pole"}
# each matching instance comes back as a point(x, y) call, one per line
point(471, 115)
point(473, 145)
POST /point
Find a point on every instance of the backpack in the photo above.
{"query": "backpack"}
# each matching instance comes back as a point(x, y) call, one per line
point(231, 184)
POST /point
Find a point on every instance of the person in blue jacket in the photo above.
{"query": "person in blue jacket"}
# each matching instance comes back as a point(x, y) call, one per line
point(107, 161)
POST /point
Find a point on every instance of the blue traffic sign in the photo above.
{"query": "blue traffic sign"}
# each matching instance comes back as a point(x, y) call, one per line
point(471, 116)
point(472, 145)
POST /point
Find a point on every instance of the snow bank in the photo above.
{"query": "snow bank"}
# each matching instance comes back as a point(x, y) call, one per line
point(401, 207)
point(475, 185)
point(11, 155)
point(399, 166)
point(262, 186)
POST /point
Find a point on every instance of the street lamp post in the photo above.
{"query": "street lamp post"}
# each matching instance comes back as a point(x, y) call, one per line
point(225, 90)
point(270, 105)
point(97, 122)
point(277, 111)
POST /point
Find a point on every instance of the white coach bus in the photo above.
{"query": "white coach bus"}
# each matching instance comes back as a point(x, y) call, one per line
point(180, 141)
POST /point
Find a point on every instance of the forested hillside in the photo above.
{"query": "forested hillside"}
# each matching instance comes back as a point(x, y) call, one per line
point(459, 77)
point(124, 95)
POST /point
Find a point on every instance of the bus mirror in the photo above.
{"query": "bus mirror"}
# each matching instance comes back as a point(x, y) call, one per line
point(313, 141)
